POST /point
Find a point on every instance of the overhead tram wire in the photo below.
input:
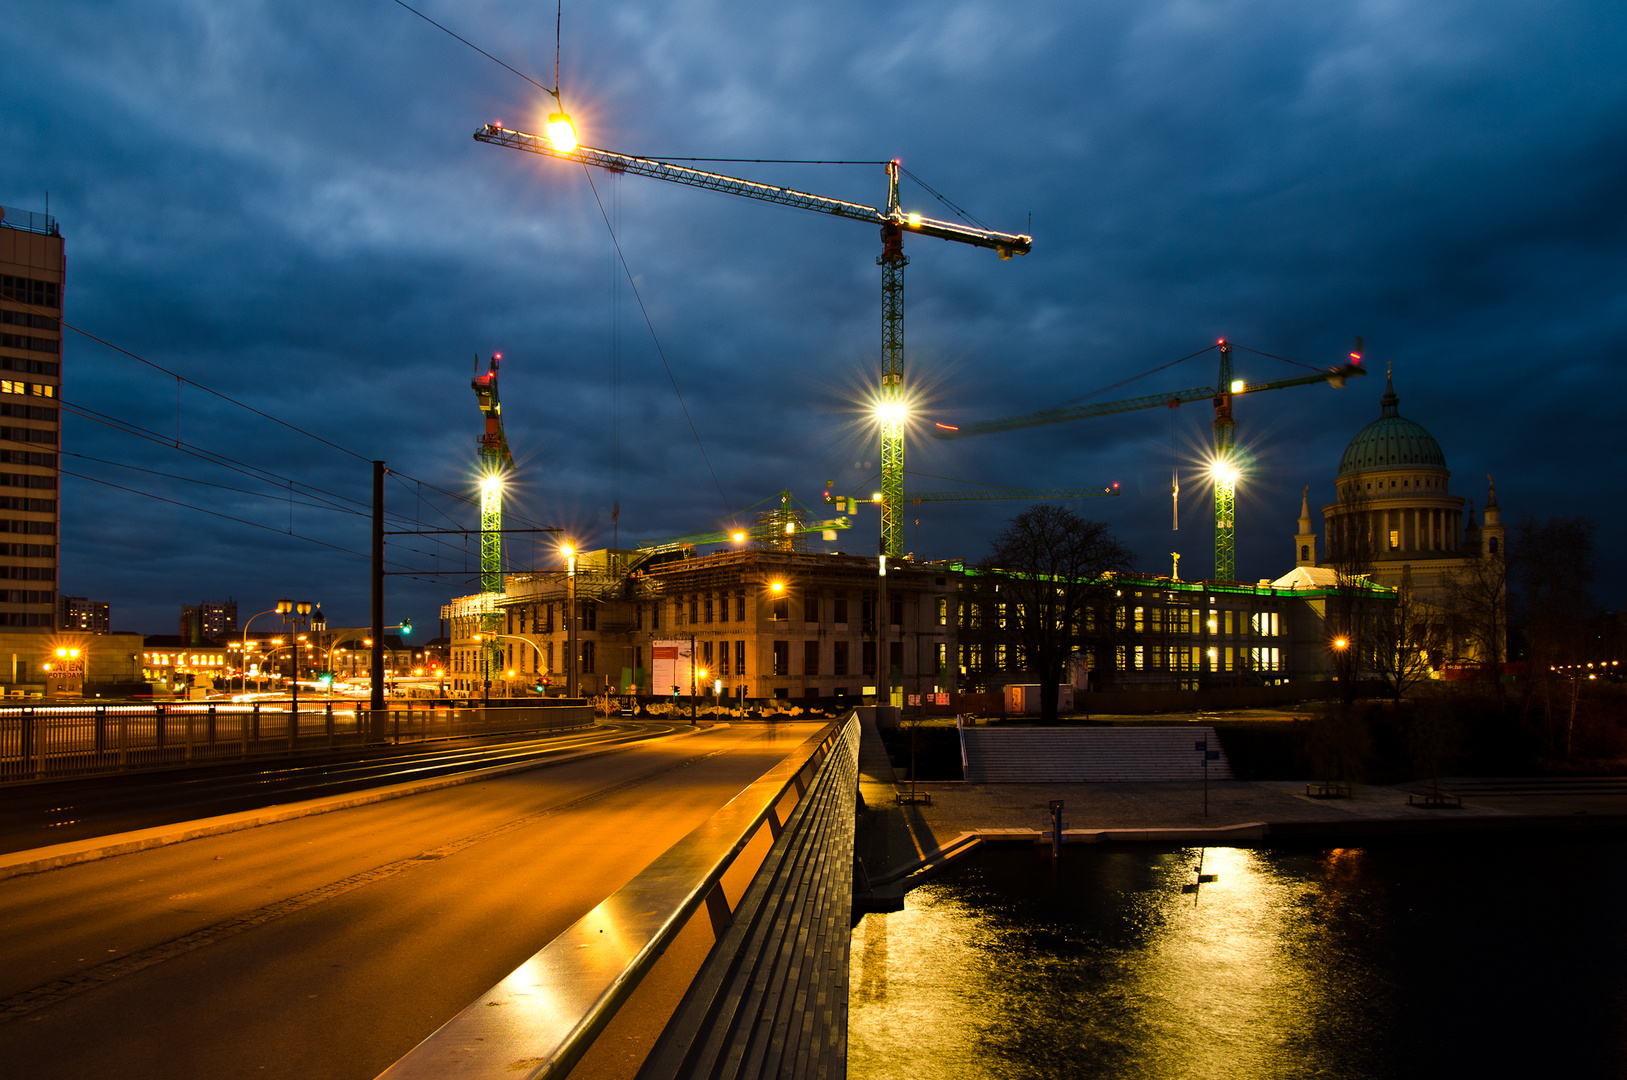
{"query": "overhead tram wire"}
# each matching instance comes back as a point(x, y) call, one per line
point(177, 444)
point(245, 521)
point(219, 460)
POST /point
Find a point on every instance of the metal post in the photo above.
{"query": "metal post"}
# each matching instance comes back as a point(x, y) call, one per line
point(158, 728)
point(884, 665)
point(329, 722)
point(31, 742)
point(570, 625)
point(243, 731)
point(1056, 829)
point(101, 730)
point(377, 700)
point(188, 716)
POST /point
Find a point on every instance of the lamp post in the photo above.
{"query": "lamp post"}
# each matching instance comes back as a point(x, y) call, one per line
point(569, 551)
point(295, 616)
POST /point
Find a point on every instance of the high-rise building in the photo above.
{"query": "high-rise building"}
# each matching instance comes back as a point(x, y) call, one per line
point(214, 619)
point(80, 614)
point(32, 268)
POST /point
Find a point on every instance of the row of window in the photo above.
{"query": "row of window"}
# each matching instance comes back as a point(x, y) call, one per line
point(28, 457)
point(32, 344)
point(30, 389)
point(26, 480)
point(29, 319)
point(28, 434)
point(28, 412)
point(33, 506)
point(27, 596)
point(29, 618)
point(29, 551)
point(19, 525)
point(26, 290)
point(1182, 658)
point(33, 367)
point(28, 573)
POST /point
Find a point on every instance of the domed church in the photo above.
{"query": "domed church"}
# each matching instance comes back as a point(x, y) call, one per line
point(1396, 517)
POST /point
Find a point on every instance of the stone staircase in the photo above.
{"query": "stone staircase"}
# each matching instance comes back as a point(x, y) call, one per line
point(1089, 755)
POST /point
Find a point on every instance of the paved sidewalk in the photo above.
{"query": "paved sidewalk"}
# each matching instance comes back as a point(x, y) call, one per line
point(1129, 812)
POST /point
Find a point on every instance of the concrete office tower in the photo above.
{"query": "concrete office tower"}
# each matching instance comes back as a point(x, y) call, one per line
point(32, 267)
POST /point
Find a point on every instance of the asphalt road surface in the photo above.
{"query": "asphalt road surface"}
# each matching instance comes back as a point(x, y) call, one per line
point(328, 946)
point(33, 815)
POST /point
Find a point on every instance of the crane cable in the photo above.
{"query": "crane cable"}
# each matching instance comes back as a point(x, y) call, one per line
point(659, 351)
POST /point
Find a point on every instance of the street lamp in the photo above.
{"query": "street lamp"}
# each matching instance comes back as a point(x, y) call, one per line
point(569, 551)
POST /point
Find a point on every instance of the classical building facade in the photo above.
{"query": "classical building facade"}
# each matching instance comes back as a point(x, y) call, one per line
point(1396, 515)
point(765, 624)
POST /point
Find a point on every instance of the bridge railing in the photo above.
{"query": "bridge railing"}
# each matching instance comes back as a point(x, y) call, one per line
point(54, 742)
point(542, 1019)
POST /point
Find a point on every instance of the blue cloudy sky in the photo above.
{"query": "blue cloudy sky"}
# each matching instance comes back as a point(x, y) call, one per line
point(282, 202)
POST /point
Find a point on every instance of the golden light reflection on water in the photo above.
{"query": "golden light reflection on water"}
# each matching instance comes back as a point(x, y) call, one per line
point(1107, 968)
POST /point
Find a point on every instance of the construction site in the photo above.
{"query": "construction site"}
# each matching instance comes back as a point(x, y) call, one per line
point(748, 614)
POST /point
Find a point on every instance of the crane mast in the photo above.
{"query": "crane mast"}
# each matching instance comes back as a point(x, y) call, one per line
point(495, 464)
point(892, 405)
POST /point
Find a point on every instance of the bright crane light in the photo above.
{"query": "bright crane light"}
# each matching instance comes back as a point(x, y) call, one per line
point(739, 538)
point(491, 482)
point(1224, 472)
point(561, 132)
point(892, 411)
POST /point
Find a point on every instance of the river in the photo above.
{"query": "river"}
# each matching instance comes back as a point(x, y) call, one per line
point(1471, 958)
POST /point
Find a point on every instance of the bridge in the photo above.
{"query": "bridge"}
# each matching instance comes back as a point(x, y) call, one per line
point(674, 906)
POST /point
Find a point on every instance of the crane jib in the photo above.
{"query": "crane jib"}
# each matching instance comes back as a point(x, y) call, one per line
point(1005, 243)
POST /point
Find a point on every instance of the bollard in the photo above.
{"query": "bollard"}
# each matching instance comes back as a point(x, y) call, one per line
point(1056, 829)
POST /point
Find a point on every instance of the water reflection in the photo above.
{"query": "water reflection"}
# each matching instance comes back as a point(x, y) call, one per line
point(1344, 962)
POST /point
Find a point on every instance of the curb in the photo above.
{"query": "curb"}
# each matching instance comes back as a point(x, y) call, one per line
point(38, 860)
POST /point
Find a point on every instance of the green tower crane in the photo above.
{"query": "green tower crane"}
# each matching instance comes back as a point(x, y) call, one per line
point(1224, 467)
point(495, 464)
point(892, 402)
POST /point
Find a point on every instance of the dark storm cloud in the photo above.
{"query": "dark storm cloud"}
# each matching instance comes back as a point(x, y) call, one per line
point(283, 202)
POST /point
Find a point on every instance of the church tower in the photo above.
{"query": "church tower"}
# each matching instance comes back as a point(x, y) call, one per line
point(1491, 532)
point(1305, 542)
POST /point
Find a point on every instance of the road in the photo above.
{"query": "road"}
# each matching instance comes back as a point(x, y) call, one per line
point(328, 946)
point(32, 815)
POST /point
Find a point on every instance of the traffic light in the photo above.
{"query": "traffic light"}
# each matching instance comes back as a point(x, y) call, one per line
point(406, 627)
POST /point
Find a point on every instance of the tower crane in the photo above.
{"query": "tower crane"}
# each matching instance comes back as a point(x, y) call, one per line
point(1224, 466)
point(495, 464)
point(892, 409)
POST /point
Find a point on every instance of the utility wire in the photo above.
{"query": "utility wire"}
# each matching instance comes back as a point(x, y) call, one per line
point(554, 91)
point(951, 479)
point(655, 338)
point(1273, 356)
point(944, 199)
point(1131, 379)
point(218, 487)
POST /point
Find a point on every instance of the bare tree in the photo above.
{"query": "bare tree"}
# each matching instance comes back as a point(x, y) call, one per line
point(1407, 638)
point(1052, 564)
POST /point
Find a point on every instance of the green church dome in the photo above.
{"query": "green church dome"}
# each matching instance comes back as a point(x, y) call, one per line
point(1391, 442)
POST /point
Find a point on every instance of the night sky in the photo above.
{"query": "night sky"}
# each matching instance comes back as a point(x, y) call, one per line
point(282, 203)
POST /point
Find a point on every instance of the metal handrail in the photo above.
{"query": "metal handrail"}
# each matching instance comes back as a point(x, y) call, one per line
point(551, 1008)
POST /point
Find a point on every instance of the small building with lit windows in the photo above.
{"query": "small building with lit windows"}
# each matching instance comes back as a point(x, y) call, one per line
point(767, 625)
point(172, 661)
